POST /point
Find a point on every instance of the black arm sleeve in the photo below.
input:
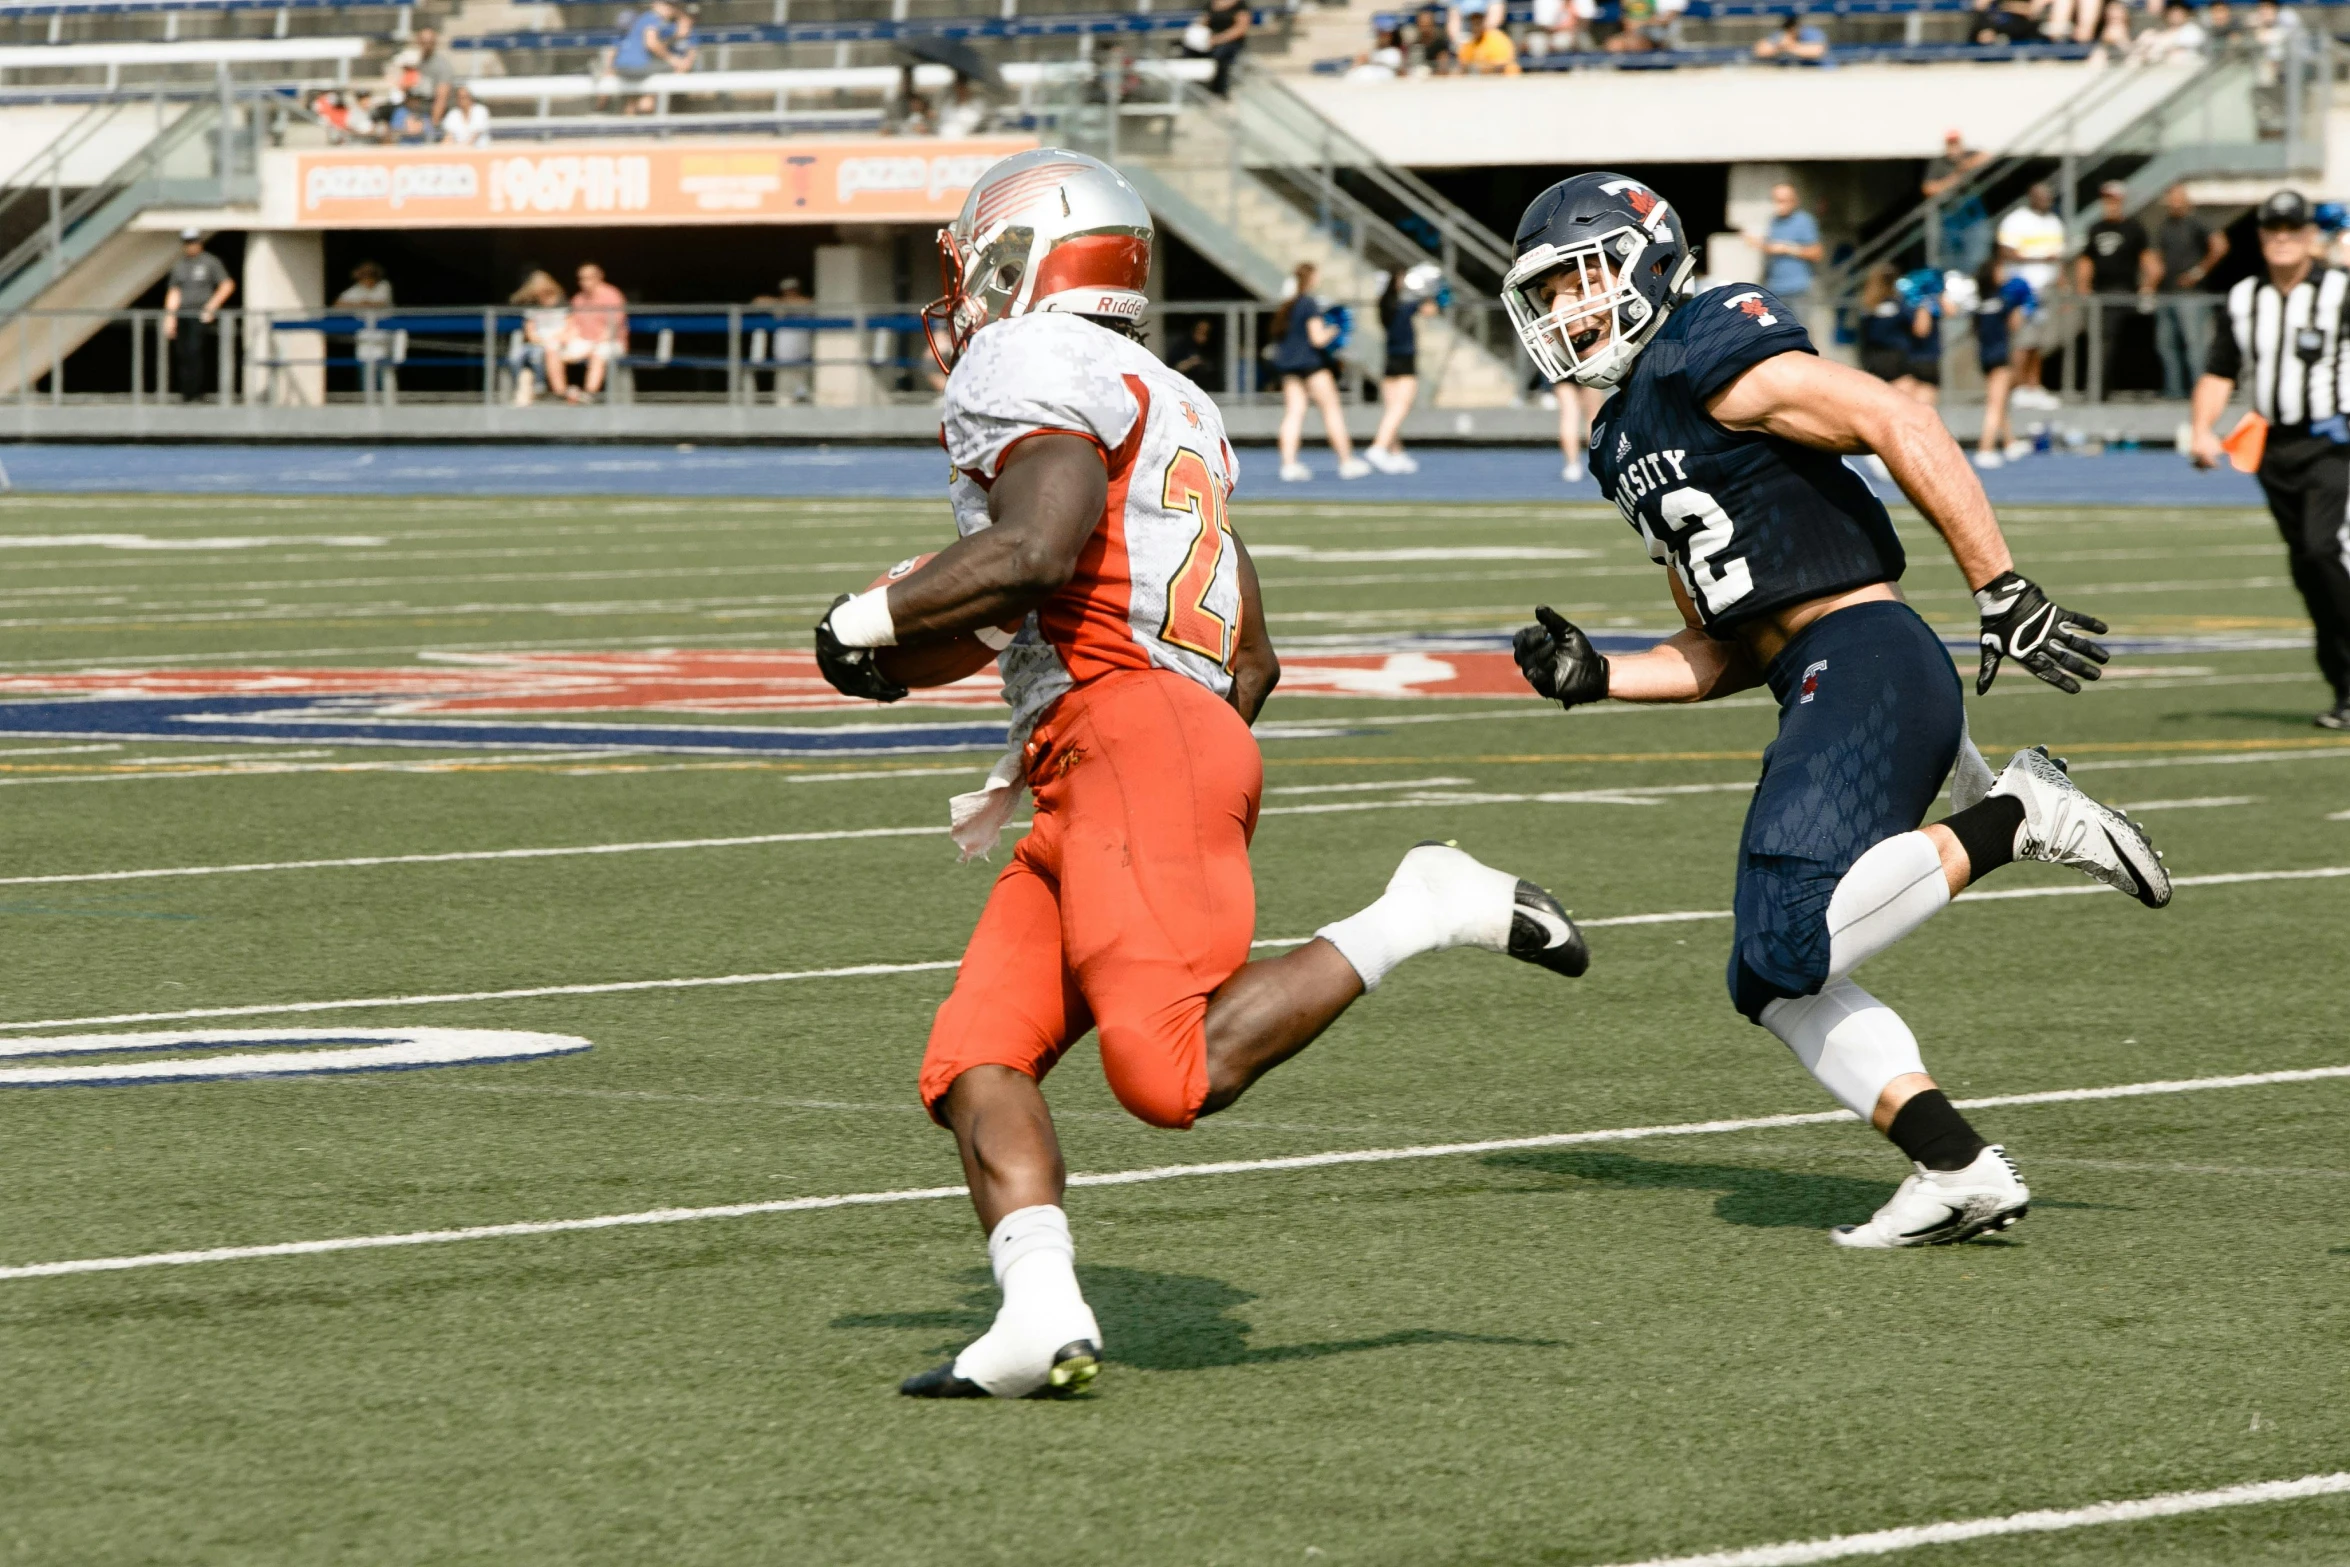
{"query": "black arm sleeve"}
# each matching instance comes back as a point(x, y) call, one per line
point(2226, 359)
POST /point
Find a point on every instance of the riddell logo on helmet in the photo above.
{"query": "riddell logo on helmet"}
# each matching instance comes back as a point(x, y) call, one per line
point(1129, 305)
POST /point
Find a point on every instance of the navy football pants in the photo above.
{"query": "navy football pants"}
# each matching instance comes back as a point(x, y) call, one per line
point(1870, 715)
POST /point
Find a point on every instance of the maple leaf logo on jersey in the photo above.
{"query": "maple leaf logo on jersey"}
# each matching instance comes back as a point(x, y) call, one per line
point(1752, 304)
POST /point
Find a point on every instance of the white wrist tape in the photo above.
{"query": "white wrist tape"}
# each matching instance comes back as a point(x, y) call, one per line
point(864, 620)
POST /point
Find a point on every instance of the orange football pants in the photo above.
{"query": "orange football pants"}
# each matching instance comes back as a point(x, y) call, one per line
point(1127, 904)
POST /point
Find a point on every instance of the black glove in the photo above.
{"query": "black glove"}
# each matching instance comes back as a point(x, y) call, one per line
point(2020, 623)
point(1559, 661)
point(851, 670)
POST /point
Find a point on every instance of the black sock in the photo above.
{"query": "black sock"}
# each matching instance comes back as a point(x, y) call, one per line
point(1986, 830)
point(1933, 1133)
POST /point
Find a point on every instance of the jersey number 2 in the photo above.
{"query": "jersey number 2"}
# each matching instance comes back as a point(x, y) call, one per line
point(1701, 529)
point(1190, 624)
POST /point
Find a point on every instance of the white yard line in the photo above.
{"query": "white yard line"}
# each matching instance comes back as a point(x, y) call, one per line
point(2201, 802)
point(1165, 1172)
point(1884, 1542)
point(863, 970)
point(358, 861)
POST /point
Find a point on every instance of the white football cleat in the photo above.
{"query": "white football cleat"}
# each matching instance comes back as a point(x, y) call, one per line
point(1295, 473)
point(1354, 468)
point(1989, 460)
point(1470, 904)
point(2063, 826)
point(1572, 473)
point(1937, 1207)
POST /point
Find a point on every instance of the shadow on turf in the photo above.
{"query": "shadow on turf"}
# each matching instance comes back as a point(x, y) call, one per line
point(1169, 1322)
point(1750, 1196)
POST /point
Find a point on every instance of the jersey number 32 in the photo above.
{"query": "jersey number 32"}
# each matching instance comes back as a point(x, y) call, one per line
point(1696, 530)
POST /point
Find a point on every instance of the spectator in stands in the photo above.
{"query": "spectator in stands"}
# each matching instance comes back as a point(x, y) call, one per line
point(1220, 34)
point(2007, 22)
point(599, 326)
point(369, 289)
point(964, 113)
point(2113, 30)
point(1633, 36)
point(1199, 356)
point(2224, 32)
point(2117, 259)
point(1305, 343)
point(793, 347)
point(1427, 42)
point(1383, 61)
point(647, 45)
point(467, 124)
point(1797, 42)
point(424, 70)
point(1487, 51)
point(409, 125)
point(197, 274)
point(362, 122)
point(1559, 27)
point(1790, 248)
point(333, 113)
point(1966, 227)
point(907, 113)
point(2188, 249)
point(2276, 35)
point(2001, 303)
point(2178, 40)
point(544, 351)
point(2032, 241)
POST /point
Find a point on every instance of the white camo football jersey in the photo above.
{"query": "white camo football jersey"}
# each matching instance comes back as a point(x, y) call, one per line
point(1159, 583)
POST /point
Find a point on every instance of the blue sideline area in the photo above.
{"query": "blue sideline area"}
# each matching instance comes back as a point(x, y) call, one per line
point(1447, 473)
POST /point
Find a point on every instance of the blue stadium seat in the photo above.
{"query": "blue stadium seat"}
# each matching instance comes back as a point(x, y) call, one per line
point(1070, 26)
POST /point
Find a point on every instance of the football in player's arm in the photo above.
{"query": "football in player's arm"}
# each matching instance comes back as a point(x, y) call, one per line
point(1045, 504)
point(1723, 446)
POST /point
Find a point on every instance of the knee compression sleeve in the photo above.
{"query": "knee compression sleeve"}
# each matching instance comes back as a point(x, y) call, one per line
point(1889, 892)
point(1848, 1039)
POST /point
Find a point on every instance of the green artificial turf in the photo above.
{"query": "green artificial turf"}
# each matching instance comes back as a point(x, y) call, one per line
point(1573, 1355)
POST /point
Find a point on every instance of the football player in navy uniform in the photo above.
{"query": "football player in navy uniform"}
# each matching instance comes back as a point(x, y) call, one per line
point(1724, 446)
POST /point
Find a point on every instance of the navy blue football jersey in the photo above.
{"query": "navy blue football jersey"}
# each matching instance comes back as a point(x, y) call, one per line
point(1751, 523)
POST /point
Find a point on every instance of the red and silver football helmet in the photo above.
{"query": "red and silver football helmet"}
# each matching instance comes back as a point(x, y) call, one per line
point(1044, 230)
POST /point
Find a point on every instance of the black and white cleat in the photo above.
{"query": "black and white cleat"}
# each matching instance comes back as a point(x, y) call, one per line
point(1075, 1365)
point(2064, 826)
point(1542, 933)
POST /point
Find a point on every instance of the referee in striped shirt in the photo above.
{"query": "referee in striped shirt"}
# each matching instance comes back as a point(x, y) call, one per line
point(2285, 339)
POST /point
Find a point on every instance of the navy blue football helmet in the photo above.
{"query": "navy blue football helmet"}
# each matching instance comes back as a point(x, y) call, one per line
point(1601, 262)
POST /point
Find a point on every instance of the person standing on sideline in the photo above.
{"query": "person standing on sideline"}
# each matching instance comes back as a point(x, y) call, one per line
point(2001, 302)
point(2032, 241)
point(1305, 356)
point(2283, 339)
point(2189, 249)
point(1407, 297)
point(1791, 249)
point(197, 274)
point(2118, 259)
point(1965, 225)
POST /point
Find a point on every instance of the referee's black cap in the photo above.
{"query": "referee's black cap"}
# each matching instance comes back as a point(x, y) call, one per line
point(2287, 209)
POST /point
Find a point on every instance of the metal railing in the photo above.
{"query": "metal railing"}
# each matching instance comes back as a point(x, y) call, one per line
point(2236, 115)
point(711, 354)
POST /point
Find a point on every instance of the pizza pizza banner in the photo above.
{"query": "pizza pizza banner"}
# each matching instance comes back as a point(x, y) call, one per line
point(891, 180)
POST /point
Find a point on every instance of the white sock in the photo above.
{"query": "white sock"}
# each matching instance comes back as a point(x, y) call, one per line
point(1438, 897)
point(1889, 892)
point(1035, 1265)
point(1848, 1039)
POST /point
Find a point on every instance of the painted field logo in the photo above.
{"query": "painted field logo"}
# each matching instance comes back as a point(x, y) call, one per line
point(132, 1059)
